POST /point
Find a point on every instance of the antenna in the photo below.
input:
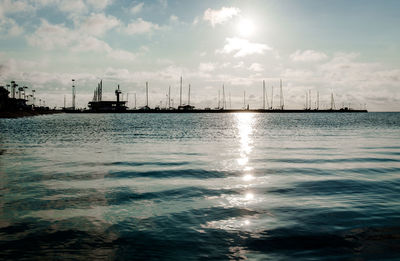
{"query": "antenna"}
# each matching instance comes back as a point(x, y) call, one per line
point(180, 95)
point(73, 94)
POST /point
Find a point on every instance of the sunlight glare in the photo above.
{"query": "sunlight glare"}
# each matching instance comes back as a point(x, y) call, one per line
point(246, 27)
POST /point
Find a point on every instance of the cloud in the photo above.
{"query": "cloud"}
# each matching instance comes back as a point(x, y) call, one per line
point(220, 16)
point(206, 67)
point(308, 56)
point(137, 8)
point(98, 24)
point(242, 47)
point(140, 26)
point(9, 26)
point(72, 6)
point(13, 6)
point(49, 37)
point(174, 18)
point(99, 4)
point(121, 55)
point(256, 67)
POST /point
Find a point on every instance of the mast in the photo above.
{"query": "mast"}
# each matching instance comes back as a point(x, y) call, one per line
point(219, 99)
point(244, 99)
point(189, 95)
point(223, 97)
point(272, 98)
point(263, 95)
point(135, 100)
point(230, 101)
point(180, 94)
point(309, 99)
point(306, 105)
point(169, 97)
point(147, 94)
point(317, 100)
point(281, 102)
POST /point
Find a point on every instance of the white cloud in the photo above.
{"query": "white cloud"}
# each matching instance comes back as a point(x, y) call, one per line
point(50, 37)
point(137, 8)
point(308, 56)
point(9, 26)
point(99, 4)
point(242, 47)
point(91, 44)
point(206, 67)
point(256, 67)
point(174, 18)
point(98, 24)
point(72, 6)
point(121, 55)
point(220, 16)
point(13, 6)
point(140, 26)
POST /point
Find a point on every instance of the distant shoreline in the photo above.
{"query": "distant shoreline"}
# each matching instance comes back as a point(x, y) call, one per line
point(20, 114)
point(221, 111)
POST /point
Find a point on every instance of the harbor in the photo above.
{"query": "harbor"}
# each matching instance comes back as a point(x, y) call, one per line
point(98, 105)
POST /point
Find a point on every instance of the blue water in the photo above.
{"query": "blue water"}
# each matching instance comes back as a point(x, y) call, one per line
point(200, 186)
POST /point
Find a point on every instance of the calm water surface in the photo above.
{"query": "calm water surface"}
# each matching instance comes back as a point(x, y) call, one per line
point(203, 186)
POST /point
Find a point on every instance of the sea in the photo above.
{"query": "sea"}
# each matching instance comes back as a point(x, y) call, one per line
point(226, 186)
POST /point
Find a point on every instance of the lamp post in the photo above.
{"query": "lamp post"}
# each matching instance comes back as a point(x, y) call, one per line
point(73, 94)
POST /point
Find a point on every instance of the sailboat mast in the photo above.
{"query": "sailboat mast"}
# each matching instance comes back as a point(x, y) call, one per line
point(263, 95)
point(223, 97)
point(169, 97)
point(189, 96)
point(219, 99)
point(180, 94)
point(272, 98)
point(244, 99)
point(147, 94)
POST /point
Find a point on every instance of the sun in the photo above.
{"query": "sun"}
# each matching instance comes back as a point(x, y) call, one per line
point(246, 27)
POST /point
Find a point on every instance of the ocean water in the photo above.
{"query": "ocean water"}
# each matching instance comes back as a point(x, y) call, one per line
point(200, 187)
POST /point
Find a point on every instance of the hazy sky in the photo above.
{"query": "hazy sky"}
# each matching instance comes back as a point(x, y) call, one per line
point(349, 47)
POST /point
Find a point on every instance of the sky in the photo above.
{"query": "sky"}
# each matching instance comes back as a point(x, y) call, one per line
point(348, 48)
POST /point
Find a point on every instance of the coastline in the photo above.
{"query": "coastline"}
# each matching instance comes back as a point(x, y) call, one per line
point(20, 114)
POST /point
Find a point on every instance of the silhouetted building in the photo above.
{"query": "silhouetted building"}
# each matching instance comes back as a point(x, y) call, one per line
point(97, 104)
